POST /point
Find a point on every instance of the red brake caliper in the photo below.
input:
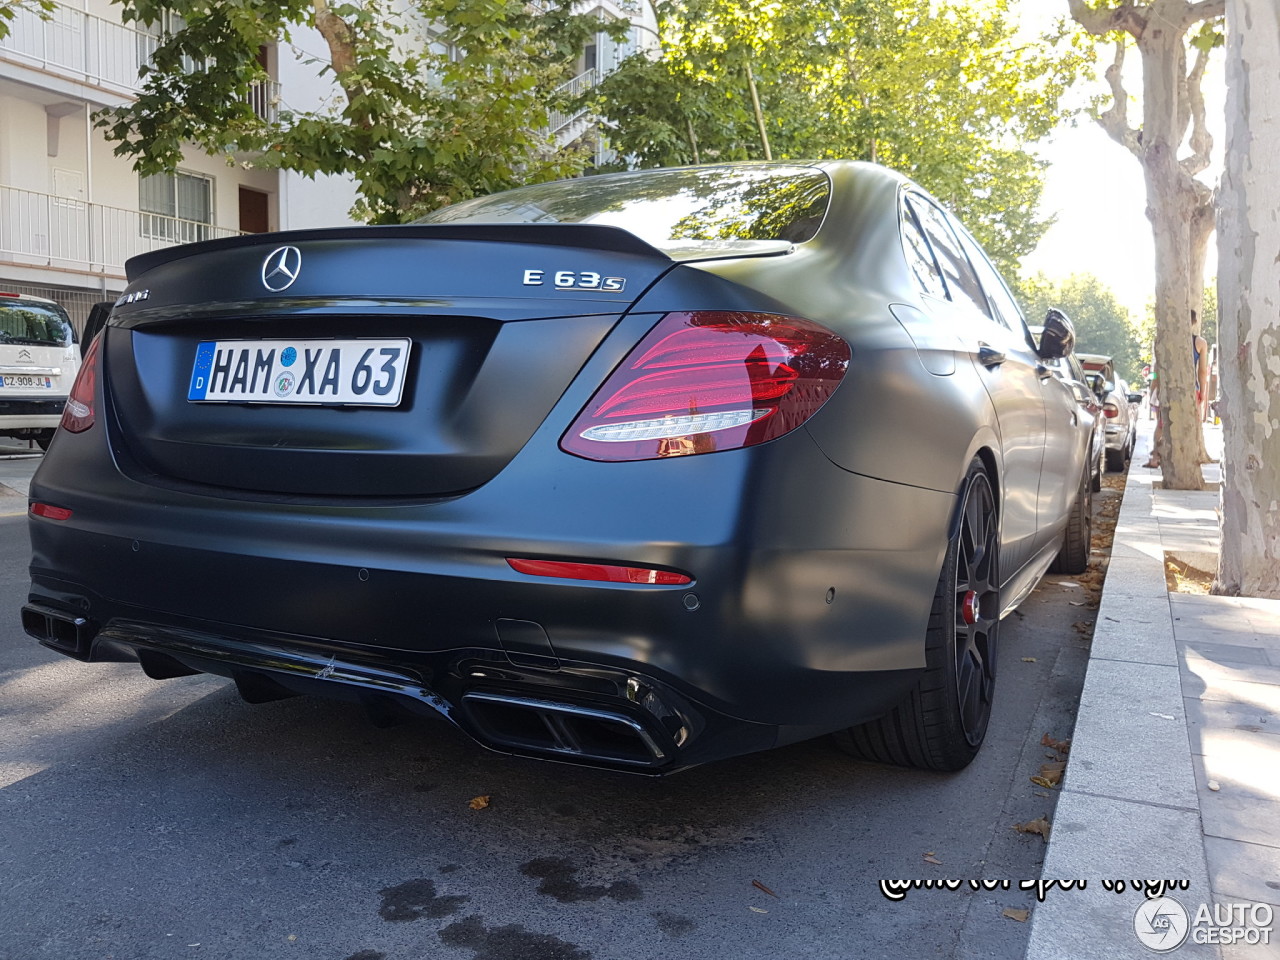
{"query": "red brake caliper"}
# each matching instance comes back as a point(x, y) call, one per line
point(969, 608)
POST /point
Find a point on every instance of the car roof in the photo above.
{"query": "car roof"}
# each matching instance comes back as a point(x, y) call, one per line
point(8, 295)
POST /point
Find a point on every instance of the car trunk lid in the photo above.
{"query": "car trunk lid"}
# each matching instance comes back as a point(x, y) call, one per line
point(493, 330)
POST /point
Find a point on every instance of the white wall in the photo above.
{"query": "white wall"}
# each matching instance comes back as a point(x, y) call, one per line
point(324, 201)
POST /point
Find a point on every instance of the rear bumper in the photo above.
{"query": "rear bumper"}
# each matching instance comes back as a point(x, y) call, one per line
point(798, 621)
point(31, 413)
point(1117, 437)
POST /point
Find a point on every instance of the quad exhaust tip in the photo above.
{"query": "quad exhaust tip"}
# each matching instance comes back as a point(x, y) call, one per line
point(562, 729)
point(65, 632)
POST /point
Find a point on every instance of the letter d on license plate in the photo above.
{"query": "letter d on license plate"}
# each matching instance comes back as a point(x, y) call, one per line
point(345, 372)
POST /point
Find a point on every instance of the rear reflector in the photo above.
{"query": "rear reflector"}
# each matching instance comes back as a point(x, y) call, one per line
point(77, 415)
point(50, 512)
point(1111, 411)
point(607, 573)
point(711, 380)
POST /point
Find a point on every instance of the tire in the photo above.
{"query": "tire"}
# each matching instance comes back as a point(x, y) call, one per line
point(1116, 459)
point(942, 722)
point(1073, 557)
point(1095, 477)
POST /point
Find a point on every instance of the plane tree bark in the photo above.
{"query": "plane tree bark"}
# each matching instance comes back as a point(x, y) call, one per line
point(1249, 291)
point(1179, 206)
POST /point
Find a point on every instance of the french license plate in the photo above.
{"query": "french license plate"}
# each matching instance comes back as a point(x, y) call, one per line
point(347, 372)
point(26, 380)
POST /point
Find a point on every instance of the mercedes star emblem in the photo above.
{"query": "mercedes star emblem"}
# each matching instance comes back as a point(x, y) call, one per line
point(281, 268)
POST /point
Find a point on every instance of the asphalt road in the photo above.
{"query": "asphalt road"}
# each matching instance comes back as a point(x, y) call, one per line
point(144, 819)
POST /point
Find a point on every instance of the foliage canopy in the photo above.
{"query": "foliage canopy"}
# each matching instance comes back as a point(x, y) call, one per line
point(942, 91)
point(435, 100)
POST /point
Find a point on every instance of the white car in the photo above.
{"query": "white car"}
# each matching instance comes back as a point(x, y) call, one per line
point(39, 361)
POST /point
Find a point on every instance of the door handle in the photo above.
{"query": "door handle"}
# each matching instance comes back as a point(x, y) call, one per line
point(989, 356)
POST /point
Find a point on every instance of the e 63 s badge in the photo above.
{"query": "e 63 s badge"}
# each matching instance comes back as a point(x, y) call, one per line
point(575, 280)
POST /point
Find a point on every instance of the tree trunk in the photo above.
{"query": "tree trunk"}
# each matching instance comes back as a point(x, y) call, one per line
point(1170, 204)
point(1248, 281)
point(755, 104)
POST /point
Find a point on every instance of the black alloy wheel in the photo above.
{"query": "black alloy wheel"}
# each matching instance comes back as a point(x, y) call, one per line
point(1077, 538)
point(943, 721)
point(976, 609)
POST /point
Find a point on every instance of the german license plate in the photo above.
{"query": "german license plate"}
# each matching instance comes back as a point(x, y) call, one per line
point(25, 381)
point(346, 372)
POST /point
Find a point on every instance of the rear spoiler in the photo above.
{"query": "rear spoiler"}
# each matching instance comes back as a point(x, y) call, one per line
point(589, 236)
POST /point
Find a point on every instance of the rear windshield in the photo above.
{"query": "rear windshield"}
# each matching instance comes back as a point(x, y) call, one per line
point(35, 323)
point(668, 207)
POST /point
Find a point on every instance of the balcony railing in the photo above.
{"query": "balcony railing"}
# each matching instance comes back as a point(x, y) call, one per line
point(37, 229)
point(80, 46)
point(573, 88)
point(89, 49)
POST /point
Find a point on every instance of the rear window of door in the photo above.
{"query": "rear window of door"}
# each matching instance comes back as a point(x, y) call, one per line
point(962, 282)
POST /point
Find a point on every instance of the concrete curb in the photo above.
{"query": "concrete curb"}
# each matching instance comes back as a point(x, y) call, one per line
point(1129, 809)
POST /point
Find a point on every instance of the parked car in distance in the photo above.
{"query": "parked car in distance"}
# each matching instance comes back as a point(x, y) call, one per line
point(1069, 370)
point(39, 361)
point(1118, 405)
point(640, 470)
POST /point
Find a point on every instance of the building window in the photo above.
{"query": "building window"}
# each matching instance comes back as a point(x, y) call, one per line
point(177, 207)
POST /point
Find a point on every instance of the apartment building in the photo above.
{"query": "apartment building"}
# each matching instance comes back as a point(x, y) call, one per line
point(72, 213)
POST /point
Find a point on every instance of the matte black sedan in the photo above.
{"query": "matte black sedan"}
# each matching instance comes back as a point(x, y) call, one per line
point(638, 471)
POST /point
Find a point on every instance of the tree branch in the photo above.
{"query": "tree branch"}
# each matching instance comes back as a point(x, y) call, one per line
point(1115, 121)
point(1201, 140)
point(338, 35)
point(1204, 10)
point(1126, 17)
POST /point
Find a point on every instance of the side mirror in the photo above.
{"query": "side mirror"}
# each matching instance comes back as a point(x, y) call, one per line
point(1135, 398)
point(1059, 337)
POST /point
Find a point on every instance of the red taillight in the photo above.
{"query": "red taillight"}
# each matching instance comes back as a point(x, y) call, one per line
point(1111, 411)
point(608, 573)
point(50, 512)
point(711, 380)
point(77, 415)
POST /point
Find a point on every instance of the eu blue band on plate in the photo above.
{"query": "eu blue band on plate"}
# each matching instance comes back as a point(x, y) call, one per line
point(200, 370)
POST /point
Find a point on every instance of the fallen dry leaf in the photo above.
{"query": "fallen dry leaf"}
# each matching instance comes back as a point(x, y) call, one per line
point(1162, 716)
point(930, 858)
point(478, 803)
point(1039, 825)
point(1037, 793)
point(1028, 659)
point(1062, 746)
point(1019, 915)
point(760, 886)
point(1050, 774)
point(1215, 786)
point(758, 910)
point(1083, 626)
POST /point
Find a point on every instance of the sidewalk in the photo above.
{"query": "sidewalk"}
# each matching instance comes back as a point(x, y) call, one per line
point(1174, 771)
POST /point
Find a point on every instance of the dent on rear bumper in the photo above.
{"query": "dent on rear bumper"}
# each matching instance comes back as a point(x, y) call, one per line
point(807, 612)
